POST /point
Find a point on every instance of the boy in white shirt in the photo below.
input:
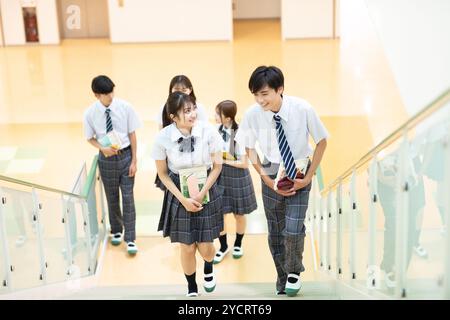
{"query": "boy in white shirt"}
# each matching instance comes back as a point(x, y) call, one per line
point(282, 126)
point(110, 116)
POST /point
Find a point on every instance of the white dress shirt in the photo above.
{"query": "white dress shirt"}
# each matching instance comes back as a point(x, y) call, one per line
point(124, 120)
point(299, 121)
point(239, 151)
point(201, 114)
point(207, 141)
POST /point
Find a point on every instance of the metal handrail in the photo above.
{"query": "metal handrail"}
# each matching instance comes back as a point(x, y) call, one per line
point(40, 187)
point(435, 105)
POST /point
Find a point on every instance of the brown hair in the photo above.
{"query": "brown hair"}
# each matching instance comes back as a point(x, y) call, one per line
point(185, 82)
point(229, 109)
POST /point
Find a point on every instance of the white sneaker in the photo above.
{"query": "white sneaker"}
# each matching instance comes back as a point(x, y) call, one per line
point(293, 288)
point(220, 255)
point(210, 285)
point(238, 252)
point(192, 294)
point(132, 248)
point(116, 239)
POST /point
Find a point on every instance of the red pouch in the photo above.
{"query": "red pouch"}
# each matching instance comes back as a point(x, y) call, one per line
point(285, 183)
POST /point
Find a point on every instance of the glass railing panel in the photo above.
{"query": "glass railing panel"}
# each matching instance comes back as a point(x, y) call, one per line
point(387, 176)
point(22, 238)
point(332, 234)
point(312, 222)
point(322, 236)
point(94, 213)
point(53, 236)
point(50, 236)
point(428, 193)
point(379, 248)
point(78, 239)
point(102, 217)
point(3, 264)
point(361, 218)
point(346, 216)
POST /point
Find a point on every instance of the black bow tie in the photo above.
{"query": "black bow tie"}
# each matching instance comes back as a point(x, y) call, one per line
point(186, 144)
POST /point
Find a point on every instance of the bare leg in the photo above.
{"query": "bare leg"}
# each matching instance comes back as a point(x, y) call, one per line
point(241, 223)
point(207, 250)
point(188, 261)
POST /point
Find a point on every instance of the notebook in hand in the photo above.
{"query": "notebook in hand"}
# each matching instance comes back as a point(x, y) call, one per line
point(111, 139)
point(192, 181)
point(282, 182)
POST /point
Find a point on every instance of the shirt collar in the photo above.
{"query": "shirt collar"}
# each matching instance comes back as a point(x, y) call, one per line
point(176, 134)
point(223, 128)
point(102, 108)
point(283, 113)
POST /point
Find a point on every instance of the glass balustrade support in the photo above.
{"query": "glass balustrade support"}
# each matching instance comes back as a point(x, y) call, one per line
point(339, 230)
point(87, 230)
point(354, 212)
point(92, 213)
point(311, 216)
point(67, 233)
point(6, 258)
point(328, 217)
point(95, 217)
point(373, 271)
point(321, 232)
point(401, 239)
point(37, 213)
point(102, 204)
point(317, 230)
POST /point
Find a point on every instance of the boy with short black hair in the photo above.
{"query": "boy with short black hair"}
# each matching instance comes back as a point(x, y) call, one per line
point(282, 125)
point(117, 163)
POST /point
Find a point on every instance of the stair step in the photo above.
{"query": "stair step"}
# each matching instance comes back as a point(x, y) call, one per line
point(260, 291)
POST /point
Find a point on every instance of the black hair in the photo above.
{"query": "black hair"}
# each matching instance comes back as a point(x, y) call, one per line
point(175, 102)
point(184, 81)
point(102, 85)
point(263, 75)
point(229, 109)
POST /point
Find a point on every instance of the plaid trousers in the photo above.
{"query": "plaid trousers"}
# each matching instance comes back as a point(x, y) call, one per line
point(285, 221)
point(114, 174)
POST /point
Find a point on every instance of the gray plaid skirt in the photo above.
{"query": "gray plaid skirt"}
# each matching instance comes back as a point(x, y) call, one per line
point(239, 194)
point(190, 227)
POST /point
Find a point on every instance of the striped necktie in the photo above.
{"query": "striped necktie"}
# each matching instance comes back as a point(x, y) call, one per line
point(285, 150)
point(109, 126)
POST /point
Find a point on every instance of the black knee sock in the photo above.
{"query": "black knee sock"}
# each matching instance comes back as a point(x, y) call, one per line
point(238, 241)
point(293, 280)
point(223, 242)
point(192, 285)
point(208, 269)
